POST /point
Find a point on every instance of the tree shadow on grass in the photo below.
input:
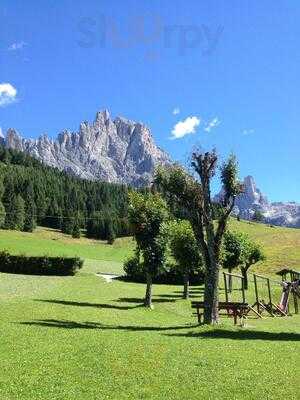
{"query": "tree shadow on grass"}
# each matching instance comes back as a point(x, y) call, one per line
point(139, 301)
point(175, 296)
point(193, 291)
point(241, 335)
point(86, 304)
point(54, 323)
point(168, 296)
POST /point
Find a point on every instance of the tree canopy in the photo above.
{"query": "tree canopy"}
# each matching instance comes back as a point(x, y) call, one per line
point(147, 213)
point(184, 249)
point(239, 251)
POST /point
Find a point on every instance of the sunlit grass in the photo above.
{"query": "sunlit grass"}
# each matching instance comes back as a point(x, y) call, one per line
point(82, 338)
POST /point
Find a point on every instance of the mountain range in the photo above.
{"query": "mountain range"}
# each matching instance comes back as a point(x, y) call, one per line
point(252, 199)
point(114, 150)
point(123, 151)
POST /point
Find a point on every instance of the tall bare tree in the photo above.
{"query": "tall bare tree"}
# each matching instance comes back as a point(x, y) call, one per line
point(194, 196)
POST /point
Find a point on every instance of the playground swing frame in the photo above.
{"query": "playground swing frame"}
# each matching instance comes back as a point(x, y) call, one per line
point(228, 291)
point(261, 305)
point(294, 275)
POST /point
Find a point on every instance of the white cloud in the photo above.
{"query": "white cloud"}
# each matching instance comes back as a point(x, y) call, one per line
point(247, 132)
point(17, 46)
point(8, 94)
point(176, 111)
point(185, 127)
point(212, 124)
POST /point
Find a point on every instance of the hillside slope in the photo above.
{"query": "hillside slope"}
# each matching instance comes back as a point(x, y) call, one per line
point(281, 246)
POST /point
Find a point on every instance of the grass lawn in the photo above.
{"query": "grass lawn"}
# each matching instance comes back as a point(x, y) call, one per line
point(82, 338)
point(98, 256)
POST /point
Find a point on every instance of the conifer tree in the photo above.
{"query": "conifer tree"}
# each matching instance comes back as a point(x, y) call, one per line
point(76, 229)
point(2, 209)
point(110, 232)
point(30, 210)
point(16, 216)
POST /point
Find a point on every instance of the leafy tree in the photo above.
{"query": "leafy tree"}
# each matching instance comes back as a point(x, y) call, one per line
point(233, 252)
point(195, 197)
point(184, 249)
point(258, 216)
point(254, 254)
point(147, 212)
point(239, 251)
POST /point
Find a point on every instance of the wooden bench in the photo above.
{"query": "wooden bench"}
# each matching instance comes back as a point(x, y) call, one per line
point(234, 309)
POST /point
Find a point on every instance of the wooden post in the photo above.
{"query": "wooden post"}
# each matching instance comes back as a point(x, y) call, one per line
point(243, 290)
point(225, 287)
point(269, 292)
point(295, 303)
point(256, 293)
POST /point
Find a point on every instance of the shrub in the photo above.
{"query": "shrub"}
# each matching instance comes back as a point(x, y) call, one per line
point(134, 270)
point(171, 274)
point(21, 264)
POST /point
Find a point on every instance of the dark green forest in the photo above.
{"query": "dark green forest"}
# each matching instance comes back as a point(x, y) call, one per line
point(32, 193)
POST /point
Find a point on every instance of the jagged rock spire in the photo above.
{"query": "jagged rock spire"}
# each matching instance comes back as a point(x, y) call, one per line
point(117, 150)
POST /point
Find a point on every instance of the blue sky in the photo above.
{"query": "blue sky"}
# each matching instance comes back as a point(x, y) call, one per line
point(230, 69)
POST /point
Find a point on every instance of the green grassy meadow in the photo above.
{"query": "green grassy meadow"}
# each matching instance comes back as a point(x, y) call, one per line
point(83, 338)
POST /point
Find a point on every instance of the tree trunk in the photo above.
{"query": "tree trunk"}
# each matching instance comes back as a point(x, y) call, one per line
point(148, 297)
point(245, 276)
point(211, 295)
point(186, 291)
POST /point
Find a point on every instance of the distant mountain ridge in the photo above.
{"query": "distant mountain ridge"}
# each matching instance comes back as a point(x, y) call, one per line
point(252, 199)
point(119, 150)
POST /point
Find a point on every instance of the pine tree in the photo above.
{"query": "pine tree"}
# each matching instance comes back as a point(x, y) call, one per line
point(30, 210)
point(58, 197)
point(17, 216)
point(76, 229)
point(2, 215)
point(2, 209)
point(9, 197)
point(110, 232)
point(68, 224)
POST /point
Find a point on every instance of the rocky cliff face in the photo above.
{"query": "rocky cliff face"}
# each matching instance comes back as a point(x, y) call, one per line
point(118, 150)
point(2, 138)
point(252, 199)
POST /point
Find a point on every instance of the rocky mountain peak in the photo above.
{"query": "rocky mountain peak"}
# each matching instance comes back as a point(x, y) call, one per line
point(2, 137)
point(252, 199)
point(13, 139)
point(249, 184)
point(102, 116)
point(120, 150)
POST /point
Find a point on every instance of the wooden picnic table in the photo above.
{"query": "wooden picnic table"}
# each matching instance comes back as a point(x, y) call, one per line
point(234, 309)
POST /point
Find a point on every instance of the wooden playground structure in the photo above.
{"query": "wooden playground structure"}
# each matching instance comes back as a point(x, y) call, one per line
point(241, 308)
point(267, 304)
